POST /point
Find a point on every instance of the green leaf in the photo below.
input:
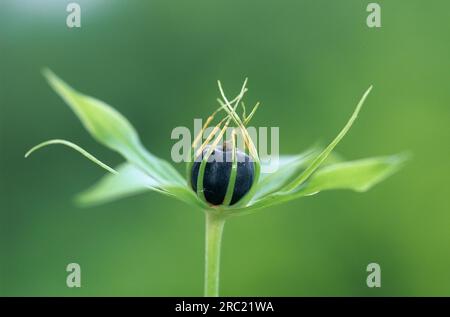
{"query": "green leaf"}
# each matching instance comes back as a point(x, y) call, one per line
point(111, 129)
point(129, 180)
point(104, 123)
point(360, 176)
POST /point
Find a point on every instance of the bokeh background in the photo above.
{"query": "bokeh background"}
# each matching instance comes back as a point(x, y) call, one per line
point(157, 62)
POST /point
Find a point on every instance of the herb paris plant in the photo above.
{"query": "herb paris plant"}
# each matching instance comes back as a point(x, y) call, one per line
point(299, 175)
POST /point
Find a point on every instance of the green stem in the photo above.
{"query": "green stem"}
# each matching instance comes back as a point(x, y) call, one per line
point(213, 235)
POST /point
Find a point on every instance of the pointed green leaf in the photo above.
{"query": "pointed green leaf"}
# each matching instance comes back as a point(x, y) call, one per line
point(104, 123)
point(128, 181)
point(360, 176)
point(131, 180)
point(113, 130)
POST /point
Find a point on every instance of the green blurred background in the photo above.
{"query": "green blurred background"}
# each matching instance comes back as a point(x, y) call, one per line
point(157, 62)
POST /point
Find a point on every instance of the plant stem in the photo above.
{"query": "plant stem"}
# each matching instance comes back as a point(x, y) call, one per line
point(213, 236)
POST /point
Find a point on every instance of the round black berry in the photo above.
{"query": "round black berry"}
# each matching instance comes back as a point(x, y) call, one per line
point(217, 175)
